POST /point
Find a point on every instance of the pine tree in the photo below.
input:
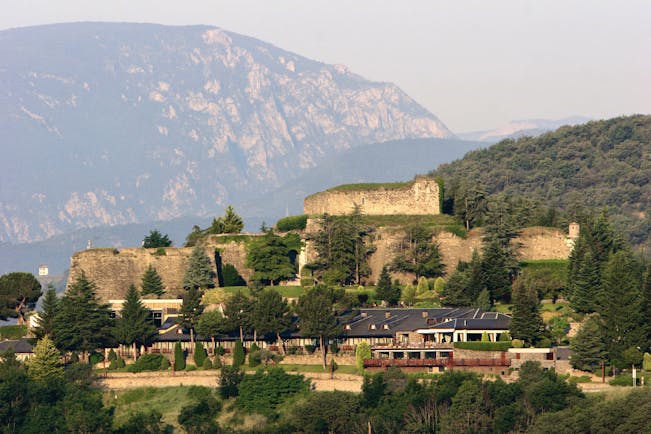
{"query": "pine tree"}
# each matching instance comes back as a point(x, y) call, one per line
point(199, 273)
point(191, 310)
point(646, 304)
point(316, 317)
point(232, 223)
point(134, 326)
point(156, 239)
point(45, 366)
point(588, 346)
point(585, 285)
point(455, 292)
point(82, 323)
point(483, 300)
point(152, 282)
point(497, 270)
point(385, 290)
point(620, 306)
point(47, 313)
point(269, 259)
point(526, 322)
point(271, 315)
point(420, 256)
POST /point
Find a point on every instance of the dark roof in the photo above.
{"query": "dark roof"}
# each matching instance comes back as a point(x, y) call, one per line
point(21, 346)
point(386, 322)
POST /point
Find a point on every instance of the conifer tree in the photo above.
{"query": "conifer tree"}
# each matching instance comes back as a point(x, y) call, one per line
point(82, 323)
point(585, 284)
point(420, 256)
point(45, 366)
point(646, 304)
point(191, 310)
point(496, 270)
point(271, 315)
point(238, 354)
point(269, 259)
point(152, 282)
point(156, 239)
point(134, 326)
point(526, 322)
point(316, 317)
point(233, 223)
point(620, 306)
point(588, 346)
point(179, 357)
point(47, 313)
point(483, 300)
point(385, 290)
point(199, 273)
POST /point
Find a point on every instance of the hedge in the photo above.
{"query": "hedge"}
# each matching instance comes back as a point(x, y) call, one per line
point(483, 346)
point(296, 222)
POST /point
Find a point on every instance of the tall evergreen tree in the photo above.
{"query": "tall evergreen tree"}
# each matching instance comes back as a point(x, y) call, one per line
point(646, 304)
point(156, 239)
point(152, 282)
point(420, 255)
point(48, 312)
point(134, 326)
point(588, 346)
point(585, 285)
point(271, 315)
point(386, 291)
point(620, 306)
point(199, 273)
point(526, 322)
point(233, 223)
point(316, 317)
point(497, 270)
point(82, 323)
point(191, 310)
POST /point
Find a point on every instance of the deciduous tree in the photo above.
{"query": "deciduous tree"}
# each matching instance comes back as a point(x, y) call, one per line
point(271, 315)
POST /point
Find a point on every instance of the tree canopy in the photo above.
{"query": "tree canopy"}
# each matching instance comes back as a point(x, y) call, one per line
point(152, 283)
point(156, 239)
point(18, 293)
point(134, 325)
point(199, 273)
point(269, 259)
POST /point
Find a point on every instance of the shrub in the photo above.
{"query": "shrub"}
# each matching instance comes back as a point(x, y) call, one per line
point(160, 251)
point(147, 362)
point(219, 351)
point(207, 364)
point(217, 363)
point(112, 356)
point(264, 391)
point(484, 337)
point(179, 357)
point(164, 364)
point(505, 337)
point(229, 381)
point(74, 358)
point(544, 343)
point(646, 362)
point(483, 346)
point(310, 349)
point(199, 354)
point(423, 285)
point(95, 357)
point(254, 356)
point(189, 368)
point(294, 350)
point(238, 354)
point(517, 343)
point(333, 347)
point(296, 222)
point(362, 352)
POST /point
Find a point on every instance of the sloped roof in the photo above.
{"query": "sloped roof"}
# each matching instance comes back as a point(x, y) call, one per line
point(21, 346)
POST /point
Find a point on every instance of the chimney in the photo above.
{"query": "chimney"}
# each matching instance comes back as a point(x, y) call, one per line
point(387, 314)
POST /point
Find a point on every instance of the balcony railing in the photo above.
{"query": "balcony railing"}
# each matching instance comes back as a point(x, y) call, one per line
point(448, 362)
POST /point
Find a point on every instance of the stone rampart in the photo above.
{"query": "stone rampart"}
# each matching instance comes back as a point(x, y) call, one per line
point(421, 197)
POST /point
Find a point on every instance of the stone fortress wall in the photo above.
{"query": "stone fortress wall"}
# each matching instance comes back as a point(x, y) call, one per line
point(420, 197)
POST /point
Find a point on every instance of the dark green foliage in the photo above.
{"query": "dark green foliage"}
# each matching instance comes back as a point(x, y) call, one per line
point(466, 283)
point(179, 357)
point(238, 311)
point(199, 273)
point(200, 354)
point(95, 357)
point(85, 413)
point(316, 317)
point(134, 325)
point(497, 269)
point(263, 391)
point(343, 244)
point(82, 323)
point(199, 417)
point(118, 363)
point(549, 277)
point(231, 276)
point(588, 346)
point(207, 364)
point(292, 223)
point(47, 314)
point(164, 364)
point(269, 259)
point(526, 322)
point(271, 314)
point(230, 223)
point(145, 422)
point(152, 283)
point(620, 306)
point(18, 293)
point(483, 346)
point(419, 255)
point(387, 291)
point(229, 381)
point(211, 324)
point(238, 354)
point(111, 355)
point(590, 165)
point(147, 362)
point(155, 239)
point(544, 390)
point(483, 300)
point(335, 412)
point(191, 309)
point(646, 304)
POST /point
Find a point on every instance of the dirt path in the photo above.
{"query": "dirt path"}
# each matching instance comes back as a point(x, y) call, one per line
point(123, 380)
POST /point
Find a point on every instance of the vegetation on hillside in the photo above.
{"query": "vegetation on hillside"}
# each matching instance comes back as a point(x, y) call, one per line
point(603, 164)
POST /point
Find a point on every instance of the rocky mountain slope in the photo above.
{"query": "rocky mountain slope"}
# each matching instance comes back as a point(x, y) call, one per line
point(107, 124)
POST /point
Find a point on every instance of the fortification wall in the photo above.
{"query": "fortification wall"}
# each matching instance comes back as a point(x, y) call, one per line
point(419, 198)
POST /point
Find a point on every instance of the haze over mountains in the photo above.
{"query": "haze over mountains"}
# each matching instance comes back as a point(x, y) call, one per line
point(109, 124)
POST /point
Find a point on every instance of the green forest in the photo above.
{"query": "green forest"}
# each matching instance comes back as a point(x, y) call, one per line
point(599, 165)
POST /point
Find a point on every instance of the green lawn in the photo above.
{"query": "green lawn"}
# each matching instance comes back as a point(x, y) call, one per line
point(12, 332)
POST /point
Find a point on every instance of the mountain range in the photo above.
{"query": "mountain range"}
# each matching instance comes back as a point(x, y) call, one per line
point(110, 124)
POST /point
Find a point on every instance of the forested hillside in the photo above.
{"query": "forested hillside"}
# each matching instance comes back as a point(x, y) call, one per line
point(603, 164)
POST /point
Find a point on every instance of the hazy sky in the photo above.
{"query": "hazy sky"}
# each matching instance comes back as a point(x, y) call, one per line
point(474, 64)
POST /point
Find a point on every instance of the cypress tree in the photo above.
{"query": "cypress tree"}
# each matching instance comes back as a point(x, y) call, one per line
point(179, 357)
point(199, 354)
point(526, 322)
point(152, 282)
point(238, 354)
point(48, 312)
point(134, 326)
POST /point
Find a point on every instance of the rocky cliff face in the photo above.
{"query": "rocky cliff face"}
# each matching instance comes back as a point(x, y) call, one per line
point(118, 123)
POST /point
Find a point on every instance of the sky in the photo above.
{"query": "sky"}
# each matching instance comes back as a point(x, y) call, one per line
point(474, 64)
